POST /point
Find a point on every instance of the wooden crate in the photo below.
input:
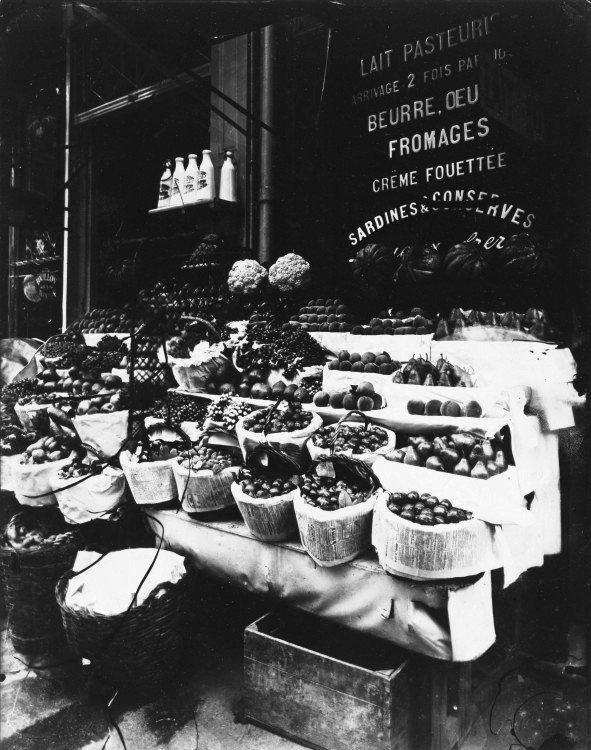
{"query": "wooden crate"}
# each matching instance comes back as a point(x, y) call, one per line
point(333, 690)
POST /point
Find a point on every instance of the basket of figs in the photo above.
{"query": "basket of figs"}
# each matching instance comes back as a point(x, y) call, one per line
point(88, 489)
point(264, 492)
point(36, 548)
point(204, 475)
point(148, 469)
point(334, 509)
point(424, 537)
point(32, 475)
point(362, 440)
point(285, 425)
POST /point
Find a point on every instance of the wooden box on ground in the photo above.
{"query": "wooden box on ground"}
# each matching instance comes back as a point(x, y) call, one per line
point(328, 688)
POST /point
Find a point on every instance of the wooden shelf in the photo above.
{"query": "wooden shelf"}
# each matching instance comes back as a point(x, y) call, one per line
point(216, 205)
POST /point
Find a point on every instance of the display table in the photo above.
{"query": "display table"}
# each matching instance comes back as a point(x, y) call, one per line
point(450, 621)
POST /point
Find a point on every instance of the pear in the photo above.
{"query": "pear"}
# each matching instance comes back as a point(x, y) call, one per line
point(433, 462)
point(424, 450)
point(460, 325)
point(398, 456)
point(415, 440)
point(413, 377)
point(501, 461)
point(444, 379)
point(429, 380)
point(462, 468)
point(492, 468)
point(508, 320)
point(397, 377)
point(472, 318)
point(442, 330)
point(438, 445)
point(479, 471)
point(463, 442)
point(456, 314)
point(489, 318)
point(449, 457)
point(476, 454)
point(411, 458)
point(441, 362)
point(487, 450)
point(482, 318)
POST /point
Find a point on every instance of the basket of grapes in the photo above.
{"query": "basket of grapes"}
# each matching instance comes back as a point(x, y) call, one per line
point(204, 475)
point(362, 440)
point(264, 492)
point(423, 537)
point(148, 469)
point(33, 474)
point(36, 548)
point(88, 489)
point(334, 509)
point(285, 425)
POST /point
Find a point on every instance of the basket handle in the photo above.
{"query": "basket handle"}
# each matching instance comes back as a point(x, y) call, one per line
point(194, 320)
point(272, 411)
point(344, 418)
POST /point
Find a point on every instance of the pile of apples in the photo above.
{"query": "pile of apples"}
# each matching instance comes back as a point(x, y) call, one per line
point(461, 454)
point(362, 397)
point(398, 323)
point(325, 315)
point(436, 408)
point(377, 363)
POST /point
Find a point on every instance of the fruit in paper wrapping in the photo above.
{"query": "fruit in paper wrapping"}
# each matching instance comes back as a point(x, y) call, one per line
point(527, 257)
point(434, 463)
point(479, 471)
point(462, 468)
point(373, 265)
point(246, 277)
point(411, 458)
point(467, 261)
point(289, 273)
point(419, 263)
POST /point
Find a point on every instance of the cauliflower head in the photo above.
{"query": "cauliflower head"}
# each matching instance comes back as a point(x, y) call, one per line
point(289, 273)
point(246, 277)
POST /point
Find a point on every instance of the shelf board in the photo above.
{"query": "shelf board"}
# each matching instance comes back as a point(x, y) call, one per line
point(36, 261)
point(215, 204)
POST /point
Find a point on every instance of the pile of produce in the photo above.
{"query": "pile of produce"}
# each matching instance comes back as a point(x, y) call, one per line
point(362, 397)
point(14, 440)
point(79, 469)
point(156, 450)
point(377, 363)
point(226, 411)
point(13, 392)
point(261, 487)
point(397, 323)
point(421, 371)
point(533, 323)
point(106, 320)
point(65, 350)
point(183, 408)
point(426, 509)
point(461, 454)
point(354, 438)
point(105, 403)
point(291, 419)
point(202, 457)
point(325, 315)
point(38, 527)
point(46, 450)
point(329, 493)
point(435, 408)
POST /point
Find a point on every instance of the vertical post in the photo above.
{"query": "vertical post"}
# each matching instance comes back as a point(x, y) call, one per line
point(268, 93)
point(67, 115)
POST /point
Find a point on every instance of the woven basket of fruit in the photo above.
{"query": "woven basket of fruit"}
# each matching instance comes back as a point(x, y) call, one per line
point(287, 429)
point(32, 475)
point(422, 537)
point(139, 649)
point(36, 548)
point(149, 473)
point(264, 493)
point(364, 441)
point(204, 476)
point(88, 489)
point(334, 510)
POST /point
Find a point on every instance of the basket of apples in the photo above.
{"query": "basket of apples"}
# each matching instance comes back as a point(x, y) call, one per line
point(204, 475)
point(285, 425)
point(264, 492)
point(148, 469)
point(334, 509)
point(101, 420)
point(87, 489)
point(362, 440)
point(33, 474)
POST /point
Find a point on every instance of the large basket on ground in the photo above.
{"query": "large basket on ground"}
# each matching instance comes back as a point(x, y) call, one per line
point(28, 578)
point(140, 649)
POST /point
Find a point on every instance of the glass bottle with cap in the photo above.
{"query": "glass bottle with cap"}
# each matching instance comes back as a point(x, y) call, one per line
point(191, 179)
point(177, 196)
point(165, 186)
point(206, 191)
point(228, 189)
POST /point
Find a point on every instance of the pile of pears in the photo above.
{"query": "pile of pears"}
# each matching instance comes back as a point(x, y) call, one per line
point(461, 453)
point(421, 371)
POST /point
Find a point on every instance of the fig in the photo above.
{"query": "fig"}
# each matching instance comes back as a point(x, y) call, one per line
point(479, 471)
point(433, 462)
point(345, 365)
point(358, 367)
point(424, 450)
point(371, 367)
point(462, 468)
point(333, 364)
point(385, 368)
point(411, 458)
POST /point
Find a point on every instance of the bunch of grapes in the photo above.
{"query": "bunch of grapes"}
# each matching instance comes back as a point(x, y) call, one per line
point(226, 411)
point(183, 409)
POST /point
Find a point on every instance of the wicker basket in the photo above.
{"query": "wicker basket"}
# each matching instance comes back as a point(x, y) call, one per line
point(150, 482)
point(140, 649)
point(29, 577)
point(203, 491)
point(270, 519)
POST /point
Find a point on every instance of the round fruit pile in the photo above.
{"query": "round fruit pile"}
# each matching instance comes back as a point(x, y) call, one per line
point(45, 450)
point(397, 323)
point(420, 371)
point(461, 454)
point(353, 438)
point(183, 408)
point(14, 440)
point(157, 450)
point(79, 469)
point(103, 402)
point(534, 323)
point(38, 529)
point(329, 493)
point(291, 419)
point(435, 408)
point(202, 457)
point(377, 363)
point(264, 487)
point(108, 320)
point(425, 509)
point(324, 315)
point(362, 397)
point(226, 411)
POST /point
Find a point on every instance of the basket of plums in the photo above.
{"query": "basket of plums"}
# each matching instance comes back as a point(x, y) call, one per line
point(32, 474)
point(362, 440)
point(88, 489)
point(421, 536)
point(264, 492)
point(204, 474)
point(285, 425)
point(148, 468)
point(334, 509)
point(36, 547)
